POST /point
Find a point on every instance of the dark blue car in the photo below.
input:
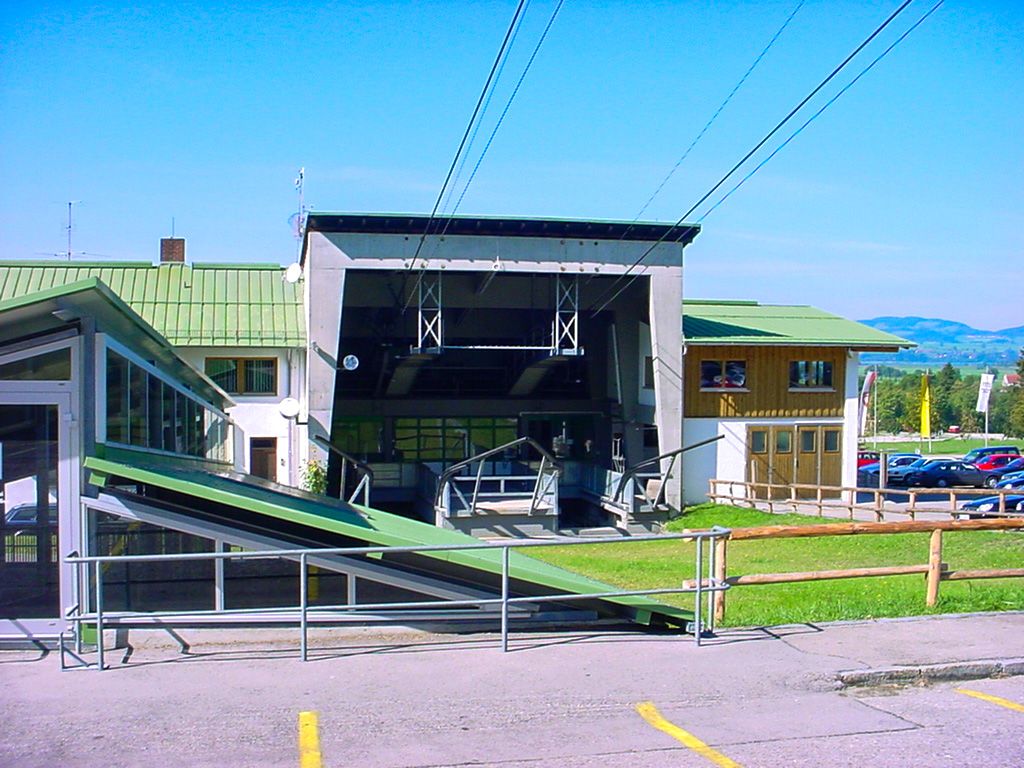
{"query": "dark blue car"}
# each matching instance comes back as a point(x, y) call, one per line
point(943, 473)
point(989, 507)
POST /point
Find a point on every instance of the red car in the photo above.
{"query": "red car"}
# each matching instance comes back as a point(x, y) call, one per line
point(867, 457)
point(996, 461)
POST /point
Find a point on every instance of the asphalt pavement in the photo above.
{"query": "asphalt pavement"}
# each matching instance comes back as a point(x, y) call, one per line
point(929, 691)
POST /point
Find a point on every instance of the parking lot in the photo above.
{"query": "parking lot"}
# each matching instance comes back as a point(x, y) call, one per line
point(748, 697)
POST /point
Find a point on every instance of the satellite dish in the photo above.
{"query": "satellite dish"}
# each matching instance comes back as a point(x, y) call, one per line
point(293, 273)
point(350, 362)
point(289, 408)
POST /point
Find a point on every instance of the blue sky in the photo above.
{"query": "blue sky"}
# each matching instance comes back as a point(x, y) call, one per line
point(905, 197)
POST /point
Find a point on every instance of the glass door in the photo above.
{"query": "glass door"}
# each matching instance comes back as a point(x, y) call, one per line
point(36, 520)
point(29, 499)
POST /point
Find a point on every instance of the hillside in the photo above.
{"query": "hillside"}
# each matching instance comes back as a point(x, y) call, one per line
point(947, 341)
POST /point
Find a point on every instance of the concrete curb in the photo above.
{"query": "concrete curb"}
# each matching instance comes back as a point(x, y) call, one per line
point(932, 673)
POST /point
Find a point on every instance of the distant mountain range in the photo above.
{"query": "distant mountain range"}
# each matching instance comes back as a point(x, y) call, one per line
point(947, 341)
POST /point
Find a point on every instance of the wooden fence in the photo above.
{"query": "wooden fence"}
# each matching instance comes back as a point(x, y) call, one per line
point(935, 570)
point(799, 497)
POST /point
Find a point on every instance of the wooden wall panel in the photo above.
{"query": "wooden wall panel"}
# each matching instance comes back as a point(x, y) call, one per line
point(767, 381)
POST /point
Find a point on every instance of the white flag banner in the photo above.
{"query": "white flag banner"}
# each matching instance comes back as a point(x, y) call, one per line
point(865, 399)
point(984, 390)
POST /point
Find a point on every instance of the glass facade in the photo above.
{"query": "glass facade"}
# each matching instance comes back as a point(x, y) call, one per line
point(450, 439)
point(144, 411)
point(49, 366)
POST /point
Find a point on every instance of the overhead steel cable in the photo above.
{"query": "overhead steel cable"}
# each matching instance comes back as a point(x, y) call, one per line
point(718, 111)
point(747, 156)
point(508, 103)
point(501, 119)
point(487, 104)
point(469, 127)
point(827, 104)
point(490, 140)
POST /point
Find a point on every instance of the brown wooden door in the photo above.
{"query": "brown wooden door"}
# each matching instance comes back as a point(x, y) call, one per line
point(263, 457)
point(759, 468)
point(782, 460)
point(808, 442)
point(831, 456)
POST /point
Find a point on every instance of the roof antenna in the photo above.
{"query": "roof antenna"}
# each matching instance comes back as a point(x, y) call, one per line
point(172, 227)
point(70, 204)
point(300, 181)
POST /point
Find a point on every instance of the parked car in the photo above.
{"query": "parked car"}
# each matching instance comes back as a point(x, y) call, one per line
point(979, 453)
point(1013, 475)
point(996, 461)
point(26, 514)
point(1014, 467)
point(989, 507)
point(942, 473)
point(867, 457)
point(1012, 483)
point(897, 475)
point(868, 475)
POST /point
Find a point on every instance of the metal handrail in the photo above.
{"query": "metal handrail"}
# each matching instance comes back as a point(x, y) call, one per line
point(700, 586)
point(366, 481)
point(447, 475)
point(631, 472)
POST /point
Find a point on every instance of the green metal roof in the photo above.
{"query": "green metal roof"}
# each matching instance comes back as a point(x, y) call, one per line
point(373, 526)
point(747, 323)
point(244, 305)
point(55, 307)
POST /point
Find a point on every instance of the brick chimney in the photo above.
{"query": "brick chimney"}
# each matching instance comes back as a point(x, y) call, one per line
point(172, 250)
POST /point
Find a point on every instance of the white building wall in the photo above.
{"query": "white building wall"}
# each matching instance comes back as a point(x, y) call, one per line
point(851, 425)
point(259, 415)
point(727, 459)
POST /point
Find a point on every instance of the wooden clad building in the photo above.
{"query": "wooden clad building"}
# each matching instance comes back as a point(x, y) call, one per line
point(780, 384)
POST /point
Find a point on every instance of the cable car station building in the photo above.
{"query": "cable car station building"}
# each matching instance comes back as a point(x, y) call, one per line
point(562, 335)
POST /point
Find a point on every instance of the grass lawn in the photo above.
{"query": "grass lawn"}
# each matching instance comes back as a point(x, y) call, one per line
point(953, 446)
point(648, 565)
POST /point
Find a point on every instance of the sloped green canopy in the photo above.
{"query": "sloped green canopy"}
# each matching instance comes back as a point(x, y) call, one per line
point(372, 526)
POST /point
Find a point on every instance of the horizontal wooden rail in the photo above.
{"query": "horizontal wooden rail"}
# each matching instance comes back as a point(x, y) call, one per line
point(934, 570)
point(844, 573)
point(842, 497)
point(851, 529)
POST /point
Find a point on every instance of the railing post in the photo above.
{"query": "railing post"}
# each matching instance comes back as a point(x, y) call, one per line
point(81, 598)
point(504, 598)
point(721, 569)
point(952, 501)
point(821, 506)
point(697, 592)
point(99, 616)
point(934, 567)
point(218, 578)
point(712, 570)
point(350, 588)
point(303, 602)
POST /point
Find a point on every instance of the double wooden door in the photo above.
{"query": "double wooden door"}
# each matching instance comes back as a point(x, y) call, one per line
point(804, 454)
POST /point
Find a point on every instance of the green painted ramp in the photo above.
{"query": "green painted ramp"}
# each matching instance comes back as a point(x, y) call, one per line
point(372, 527)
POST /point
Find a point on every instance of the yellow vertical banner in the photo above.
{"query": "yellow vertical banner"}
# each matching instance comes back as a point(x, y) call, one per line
point(926, 407)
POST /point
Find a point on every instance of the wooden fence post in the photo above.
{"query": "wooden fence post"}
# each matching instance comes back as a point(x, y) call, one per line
point(720, 575)
point(934, 567)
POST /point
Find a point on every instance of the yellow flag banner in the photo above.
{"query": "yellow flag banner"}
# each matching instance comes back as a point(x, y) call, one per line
point(926, 407)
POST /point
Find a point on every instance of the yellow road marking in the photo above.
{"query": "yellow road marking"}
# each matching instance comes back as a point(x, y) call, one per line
point(650, 713)
point(992, 699)
point(309, 741)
